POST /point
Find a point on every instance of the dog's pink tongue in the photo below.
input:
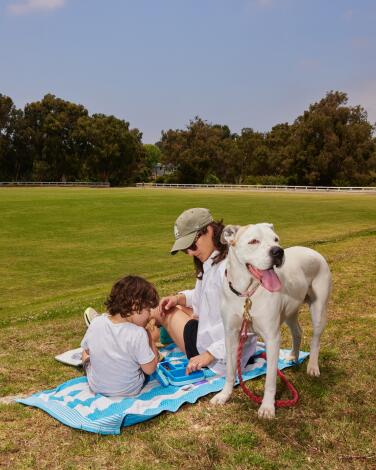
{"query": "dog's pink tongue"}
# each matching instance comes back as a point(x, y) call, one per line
point(267, 277)
point(270, 280)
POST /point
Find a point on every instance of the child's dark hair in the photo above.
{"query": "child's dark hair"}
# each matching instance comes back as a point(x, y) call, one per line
point(131, 294)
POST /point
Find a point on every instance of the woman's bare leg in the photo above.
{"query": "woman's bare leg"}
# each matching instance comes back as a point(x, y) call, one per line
point(174, 323)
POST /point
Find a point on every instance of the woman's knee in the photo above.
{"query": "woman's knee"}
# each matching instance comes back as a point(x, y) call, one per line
point(163, 319)
point(187, 310)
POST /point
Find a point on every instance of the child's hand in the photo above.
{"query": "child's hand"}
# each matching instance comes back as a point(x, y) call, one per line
point(152, 344)
point(198, 362)
point(85, 355)
point(150, 336)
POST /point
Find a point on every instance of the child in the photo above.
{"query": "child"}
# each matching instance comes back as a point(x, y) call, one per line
point(118, 351)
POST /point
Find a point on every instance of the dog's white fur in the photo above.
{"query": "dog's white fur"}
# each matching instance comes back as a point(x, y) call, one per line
point(305, 277)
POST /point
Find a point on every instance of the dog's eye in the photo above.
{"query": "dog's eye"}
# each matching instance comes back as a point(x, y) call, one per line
point(253, 242)
point(276, 240)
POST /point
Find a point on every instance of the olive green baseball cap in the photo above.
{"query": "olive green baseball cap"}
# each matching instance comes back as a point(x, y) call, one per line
point(187, 225)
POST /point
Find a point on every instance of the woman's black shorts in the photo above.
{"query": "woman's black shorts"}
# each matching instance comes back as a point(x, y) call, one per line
point(190, 338)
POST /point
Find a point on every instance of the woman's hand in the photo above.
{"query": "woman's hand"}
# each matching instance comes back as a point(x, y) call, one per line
point(167, 304)
point(198, 362)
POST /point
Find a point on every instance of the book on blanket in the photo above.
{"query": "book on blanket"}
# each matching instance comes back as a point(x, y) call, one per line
point(71, 358)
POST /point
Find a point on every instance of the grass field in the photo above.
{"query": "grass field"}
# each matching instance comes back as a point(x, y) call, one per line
point(62, 249)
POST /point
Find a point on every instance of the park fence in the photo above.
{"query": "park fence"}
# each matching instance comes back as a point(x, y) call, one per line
point(229, 187)
point(55, 183)
point(262, 187)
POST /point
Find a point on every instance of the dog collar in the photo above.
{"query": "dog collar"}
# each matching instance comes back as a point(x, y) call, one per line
point(247, 293)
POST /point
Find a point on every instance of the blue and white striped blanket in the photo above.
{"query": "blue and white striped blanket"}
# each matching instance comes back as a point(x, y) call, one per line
point(73, 403)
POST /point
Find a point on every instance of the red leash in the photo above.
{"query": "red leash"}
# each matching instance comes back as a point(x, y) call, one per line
point(279, 403)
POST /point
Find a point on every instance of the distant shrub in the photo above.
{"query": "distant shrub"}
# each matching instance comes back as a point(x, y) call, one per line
point(211, 178)
point(341, 182)
point(171, 178)
point(266, 179)
point(167, 179)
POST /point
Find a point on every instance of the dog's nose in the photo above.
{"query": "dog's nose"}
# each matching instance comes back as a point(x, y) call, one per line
point(277, 253)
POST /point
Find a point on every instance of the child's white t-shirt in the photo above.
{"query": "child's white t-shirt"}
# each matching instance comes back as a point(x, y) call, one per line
point(116, 351)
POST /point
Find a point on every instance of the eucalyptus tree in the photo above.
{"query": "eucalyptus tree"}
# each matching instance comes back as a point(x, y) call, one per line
point(7, 109)
point(51, 125)
point(111, 151)
point(199, 152)
point(153, 156)
point(253, 157)
point(15, 157)
point(332, 143)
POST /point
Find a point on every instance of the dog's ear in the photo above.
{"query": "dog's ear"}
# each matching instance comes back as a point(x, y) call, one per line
point(268, 225)
point(228, 234)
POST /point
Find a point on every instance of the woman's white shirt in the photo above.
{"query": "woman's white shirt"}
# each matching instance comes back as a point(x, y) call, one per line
point(205, 300)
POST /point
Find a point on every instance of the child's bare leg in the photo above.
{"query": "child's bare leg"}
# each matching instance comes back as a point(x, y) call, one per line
point(174, 323)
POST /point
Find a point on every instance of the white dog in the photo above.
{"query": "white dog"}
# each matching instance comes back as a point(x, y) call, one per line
point(287, 278)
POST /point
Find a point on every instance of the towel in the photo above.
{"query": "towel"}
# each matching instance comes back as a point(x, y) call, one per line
point(75, 405)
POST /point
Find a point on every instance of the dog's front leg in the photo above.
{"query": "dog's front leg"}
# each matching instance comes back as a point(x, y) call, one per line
point(267, 408)
point(232, 331)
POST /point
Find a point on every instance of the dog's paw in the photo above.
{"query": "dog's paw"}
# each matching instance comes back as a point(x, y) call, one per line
point(266, 411)
point(313, 370)
point(220, 398)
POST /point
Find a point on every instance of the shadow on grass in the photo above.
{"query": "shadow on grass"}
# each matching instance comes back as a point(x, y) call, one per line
point(307, 386)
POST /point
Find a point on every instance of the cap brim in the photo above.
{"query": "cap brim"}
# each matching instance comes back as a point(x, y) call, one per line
point(183, 243)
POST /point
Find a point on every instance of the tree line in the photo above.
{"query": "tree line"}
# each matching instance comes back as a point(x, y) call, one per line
point(331, 143)
point(56, 140)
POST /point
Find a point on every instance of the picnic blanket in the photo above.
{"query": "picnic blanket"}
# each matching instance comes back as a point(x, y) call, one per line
point(74, 404)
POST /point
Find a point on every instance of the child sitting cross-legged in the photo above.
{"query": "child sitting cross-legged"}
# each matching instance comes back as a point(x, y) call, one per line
point(118, 350)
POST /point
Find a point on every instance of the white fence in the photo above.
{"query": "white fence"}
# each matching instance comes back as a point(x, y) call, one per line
point(262, 187)
point(54, 183)
point(231, 187)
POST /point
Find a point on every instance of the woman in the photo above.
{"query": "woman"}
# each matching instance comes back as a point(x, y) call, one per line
point(192, 317)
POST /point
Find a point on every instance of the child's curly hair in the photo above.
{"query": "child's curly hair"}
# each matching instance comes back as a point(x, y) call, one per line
point(131, 294)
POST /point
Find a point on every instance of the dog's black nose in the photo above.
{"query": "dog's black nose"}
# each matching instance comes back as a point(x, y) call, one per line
point(277, 253)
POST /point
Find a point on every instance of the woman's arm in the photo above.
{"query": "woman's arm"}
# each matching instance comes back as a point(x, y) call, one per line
point(171, 301)
point(200, 361)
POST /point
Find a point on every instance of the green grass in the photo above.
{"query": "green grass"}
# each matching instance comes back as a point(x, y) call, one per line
point(62, 249)
point(61, 246)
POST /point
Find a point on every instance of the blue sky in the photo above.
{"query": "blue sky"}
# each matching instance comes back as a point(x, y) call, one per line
point(159, 63)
